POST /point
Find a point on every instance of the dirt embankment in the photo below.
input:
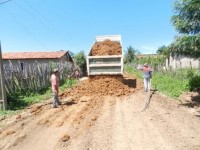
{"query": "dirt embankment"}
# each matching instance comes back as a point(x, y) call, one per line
point(104, 86)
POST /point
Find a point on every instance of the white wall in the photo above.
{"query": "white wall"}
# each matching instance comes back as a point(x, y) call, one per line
point(180, 61)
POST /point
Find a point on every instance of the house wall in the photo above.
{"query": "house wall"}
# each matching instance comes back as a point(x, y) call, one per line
point(26, 62)
point(180, 61)
point(35, 73)
point(22, 63)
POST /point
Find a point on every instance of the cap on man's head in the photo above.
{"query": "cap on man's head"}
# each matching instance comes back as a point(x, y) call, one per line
point(145, 64)
point(55, 70)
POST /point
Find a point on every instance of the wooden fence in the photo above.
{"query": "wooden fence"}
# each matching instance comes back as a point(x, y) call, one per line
point(34, 77)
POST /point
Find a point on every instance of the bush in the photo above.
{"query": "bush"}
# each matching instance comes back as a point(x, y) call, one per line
point(194, 83)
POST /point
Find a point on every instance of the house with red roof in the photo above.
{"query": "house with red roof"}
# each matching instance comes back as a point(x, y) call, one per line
point(28, 58)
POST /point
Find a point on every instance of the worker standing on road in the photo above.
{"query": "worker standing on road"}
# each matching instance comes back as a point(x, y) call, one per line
point(55, 87)
point(147, 75)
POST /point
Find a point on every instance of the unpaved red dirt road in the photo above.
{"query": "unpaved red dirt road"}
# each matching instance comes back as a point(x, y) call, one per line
point(104, 122)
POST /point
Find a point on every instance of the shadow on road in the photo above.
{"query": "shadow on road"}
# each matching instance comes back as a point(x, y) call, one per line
point(148, 99)
point(69, 103)
point(194, 102)
point(130, 82)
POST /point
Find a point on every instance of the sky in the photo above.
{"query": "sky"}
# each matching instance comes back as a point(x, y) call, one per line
point(53, 25)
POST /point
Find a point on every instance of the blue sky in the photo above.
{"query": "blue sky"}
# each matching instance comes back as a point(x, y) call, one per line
point(51, 25)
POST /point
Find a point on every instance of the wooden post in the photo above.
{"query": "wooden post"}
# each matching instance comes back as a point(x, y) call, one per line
point(2, 83)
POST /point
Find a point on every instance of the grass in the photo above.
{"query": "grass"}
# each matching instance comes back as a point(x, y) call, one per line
point(131, 70)
point(18, 101)
point(169, 83)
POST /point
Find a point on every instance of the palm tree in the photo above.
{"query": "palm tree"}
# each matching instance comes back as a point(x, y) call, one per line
point(130, 55)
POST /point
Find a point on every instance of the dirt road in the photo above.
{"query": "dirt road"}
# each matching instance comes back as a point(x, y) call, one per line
point(104, 122)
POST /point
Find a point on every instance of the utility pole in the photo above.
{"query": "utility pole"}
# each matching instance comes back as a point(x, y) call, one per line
point(3, 98)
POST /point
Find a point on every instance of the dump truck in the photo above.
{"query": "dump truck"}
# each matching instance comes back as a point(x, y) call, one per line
point(105, 56)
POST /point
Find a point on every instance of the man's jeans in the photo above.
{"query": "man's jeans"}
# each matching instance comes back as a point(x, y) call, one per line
point(147, 84)
point(55, 100)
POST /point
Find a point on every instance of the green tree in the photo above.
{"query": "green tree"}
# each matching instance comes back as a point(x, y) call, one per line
point(186, 21)
point(187, 16)
point(80, 61)
point(130, 54)
point(163, 50)
point(188, 45)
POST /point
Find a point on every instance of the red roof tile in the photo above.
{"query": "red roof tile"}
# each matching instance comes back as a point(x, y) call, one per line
point(33, 55)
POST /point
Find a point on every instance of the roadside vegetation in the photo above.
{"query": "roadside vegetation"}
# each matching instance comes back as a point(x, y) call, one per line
point(19, 101)
point(171, 83)
point(80, 60)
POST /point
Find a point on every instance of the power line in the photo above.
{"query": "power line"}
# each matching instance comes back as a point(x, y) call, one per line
point(53, 25)
point(45, 19)
point(26, 30)
point(5, 2)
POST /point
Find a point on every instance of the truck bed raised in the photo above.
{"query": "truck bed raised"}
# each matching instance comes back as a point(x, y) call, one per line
point(105, 64)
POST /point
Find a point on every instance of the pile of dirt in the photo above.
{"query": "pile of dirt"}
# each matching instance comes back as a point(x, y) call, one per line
point(106, 47)
point(100, 85)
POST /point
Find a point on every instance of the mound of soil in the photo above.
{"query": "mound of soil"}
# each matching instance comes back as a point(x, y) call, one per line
point(100, 85)
point(106, 47)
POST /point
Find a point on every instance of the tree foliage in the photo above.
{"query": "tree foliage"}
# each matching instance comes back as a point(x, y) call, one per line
point(188, 45)
point(130, 54)
point(186, 21)
point(187, 16)
point(80, 60)
point(163, 50)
